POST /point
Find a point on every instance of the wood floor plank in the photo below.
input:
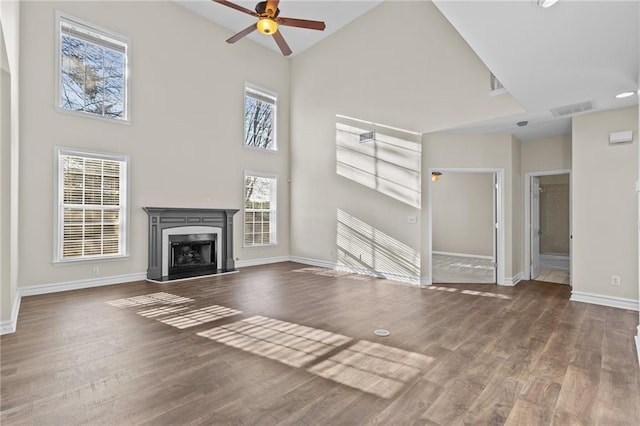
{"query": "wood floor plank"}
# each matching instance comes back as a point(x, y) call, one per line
point(578, 397)
point(298, 348)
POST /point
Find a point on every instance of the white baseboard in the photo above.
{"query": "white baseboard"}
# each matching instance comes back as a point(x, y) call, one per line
point(354, 270)
point(598, 299)
point(473, 256)
point(512, 281)
point(258, 262)
point(9, 326)
point(313, 262)
point(80, 284)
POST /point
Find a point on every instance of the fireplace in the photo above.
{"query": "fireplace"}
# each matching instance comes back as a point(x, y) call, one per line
point(186, 243)
point(192, 253)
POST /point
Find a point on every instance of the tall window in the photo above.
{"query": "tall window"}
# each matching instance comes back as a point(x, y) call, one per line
point(90, 208)
point(92, 70)
point(259, 209)
point(259, 118)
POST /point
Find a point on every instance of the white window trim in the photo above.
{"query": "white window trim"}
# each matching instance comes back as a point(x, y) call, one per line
point(274, 223)
point(58, 190)
point(269, 93)
point(99, 31)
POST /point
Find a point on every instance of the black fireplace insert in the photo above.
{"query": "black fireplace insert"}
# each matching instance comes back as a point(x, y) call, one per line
point(192, 254)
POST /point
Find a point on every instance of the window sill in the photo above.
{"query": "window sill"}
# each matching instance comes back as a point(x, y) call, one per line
point(89, 115)
point(96, 259)
point(260, 245)
point(257, 148)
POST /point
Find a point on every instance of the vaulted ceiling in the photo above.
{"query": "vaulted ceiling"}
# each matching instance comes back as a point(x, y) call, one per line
point(575, 52)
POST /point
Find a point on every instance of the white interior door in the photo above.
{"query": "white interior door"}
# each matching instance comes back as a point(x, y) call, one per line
point(535, 227)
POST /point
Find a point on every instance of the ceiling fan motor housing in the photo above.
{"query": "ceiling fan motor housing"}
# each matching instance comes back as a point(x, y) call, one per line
point(261, 10)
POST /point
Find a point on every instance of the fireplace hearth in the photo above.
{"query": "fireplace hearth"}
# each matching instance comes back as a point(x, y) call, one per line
point(188, 243)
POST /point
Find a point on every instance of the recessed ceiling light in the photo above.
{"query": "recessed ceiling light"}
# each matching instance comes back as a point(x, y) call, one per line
point(546, 3)
point(625, 95)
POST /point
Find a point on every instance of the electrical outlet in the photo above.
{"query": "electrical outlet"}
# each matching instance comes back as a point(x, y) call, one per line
point(615, 280)
point(96, 270)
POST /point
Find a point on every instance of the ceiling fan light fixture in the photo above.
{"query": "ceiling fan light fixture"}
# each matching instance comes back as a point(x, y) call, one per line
point(267, 26)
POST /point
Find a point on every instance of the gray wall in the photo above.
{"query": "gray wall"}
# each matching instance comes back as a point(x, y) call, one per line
point(186, 109)
point(10, 140)
point(463, 213)
point(554, 214)
point(492, 151)
point(604, 213)
point(443, 86)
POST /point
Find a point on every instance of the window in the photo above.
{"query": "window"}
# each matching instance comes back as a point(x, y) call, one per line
point(91, 211)
point(259, 118)
point(92, 67)
point(259, 209)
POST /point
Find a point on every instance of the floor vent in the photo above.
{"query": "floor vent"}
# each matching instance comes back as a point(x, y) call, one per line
point(566, 110)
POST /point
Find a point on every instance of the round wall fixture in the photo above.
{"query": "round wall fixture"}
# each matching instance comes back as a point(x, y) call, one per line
point(381, 333)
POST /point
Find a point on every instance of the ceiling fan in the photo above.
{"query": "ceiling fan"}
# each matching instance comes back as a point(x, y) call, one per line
point(268, 13)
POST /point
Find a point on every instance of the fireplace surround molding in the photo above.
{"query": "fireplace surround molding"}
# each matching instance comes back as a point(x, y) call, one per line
point(166, 221)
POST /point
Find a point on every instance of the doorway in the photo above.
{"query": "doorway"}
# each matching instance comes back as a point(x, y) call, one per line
point(548, 227)
point(464, 210)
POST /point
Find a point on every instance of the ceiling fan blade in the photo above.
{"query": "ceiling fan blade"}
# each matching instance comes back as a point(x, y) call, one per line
point(284, 47)
point(273, 6)
point(251, 28)
point(236, 7)
point(301, 23)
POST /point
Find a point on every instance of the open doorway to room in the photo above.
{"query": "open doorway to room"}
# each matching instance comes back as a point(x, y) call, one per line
point(548, 226)
point(463, 226)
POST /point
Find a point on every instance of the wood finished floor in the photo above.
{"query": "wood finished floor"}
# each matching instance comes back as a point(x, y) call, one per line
point(293, 344)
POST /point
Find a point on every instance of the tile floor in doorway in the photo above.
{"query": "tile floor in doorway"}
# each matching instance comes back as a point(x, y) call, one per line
point(455, 269)
point(553, 276)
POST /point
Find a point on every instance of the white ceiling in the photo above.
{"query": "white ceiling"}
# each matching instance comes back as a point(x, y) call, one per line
point(336, 14)
point(573, 52)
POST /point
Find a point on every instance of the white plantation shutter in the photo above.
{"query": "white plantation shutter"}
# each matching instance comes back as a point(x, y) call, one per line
point(91, 205)
point(259, 209)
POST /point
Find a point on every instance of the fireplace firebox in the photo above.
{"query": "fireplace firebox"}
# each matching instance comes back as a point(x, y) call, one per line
point(192, 253)
point(186, 243)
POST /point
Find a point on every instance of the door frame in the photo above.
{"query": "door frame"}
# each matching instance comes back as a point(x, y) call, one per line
point(527, 219)
point(500, 216)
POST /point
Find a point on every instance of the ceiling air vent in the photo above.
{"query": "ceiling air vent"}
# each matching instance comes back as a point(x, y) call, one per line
point(563, 111)
point(496, 87)
point(367, 137)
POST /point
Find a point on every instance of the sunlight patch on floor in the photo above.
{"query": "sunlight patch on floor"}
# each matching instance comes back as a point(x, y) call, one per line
point(188, 317)
point(469, 292)
point(150, 299)
point(332, 273)
point(289, 343)
point(373, 368)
